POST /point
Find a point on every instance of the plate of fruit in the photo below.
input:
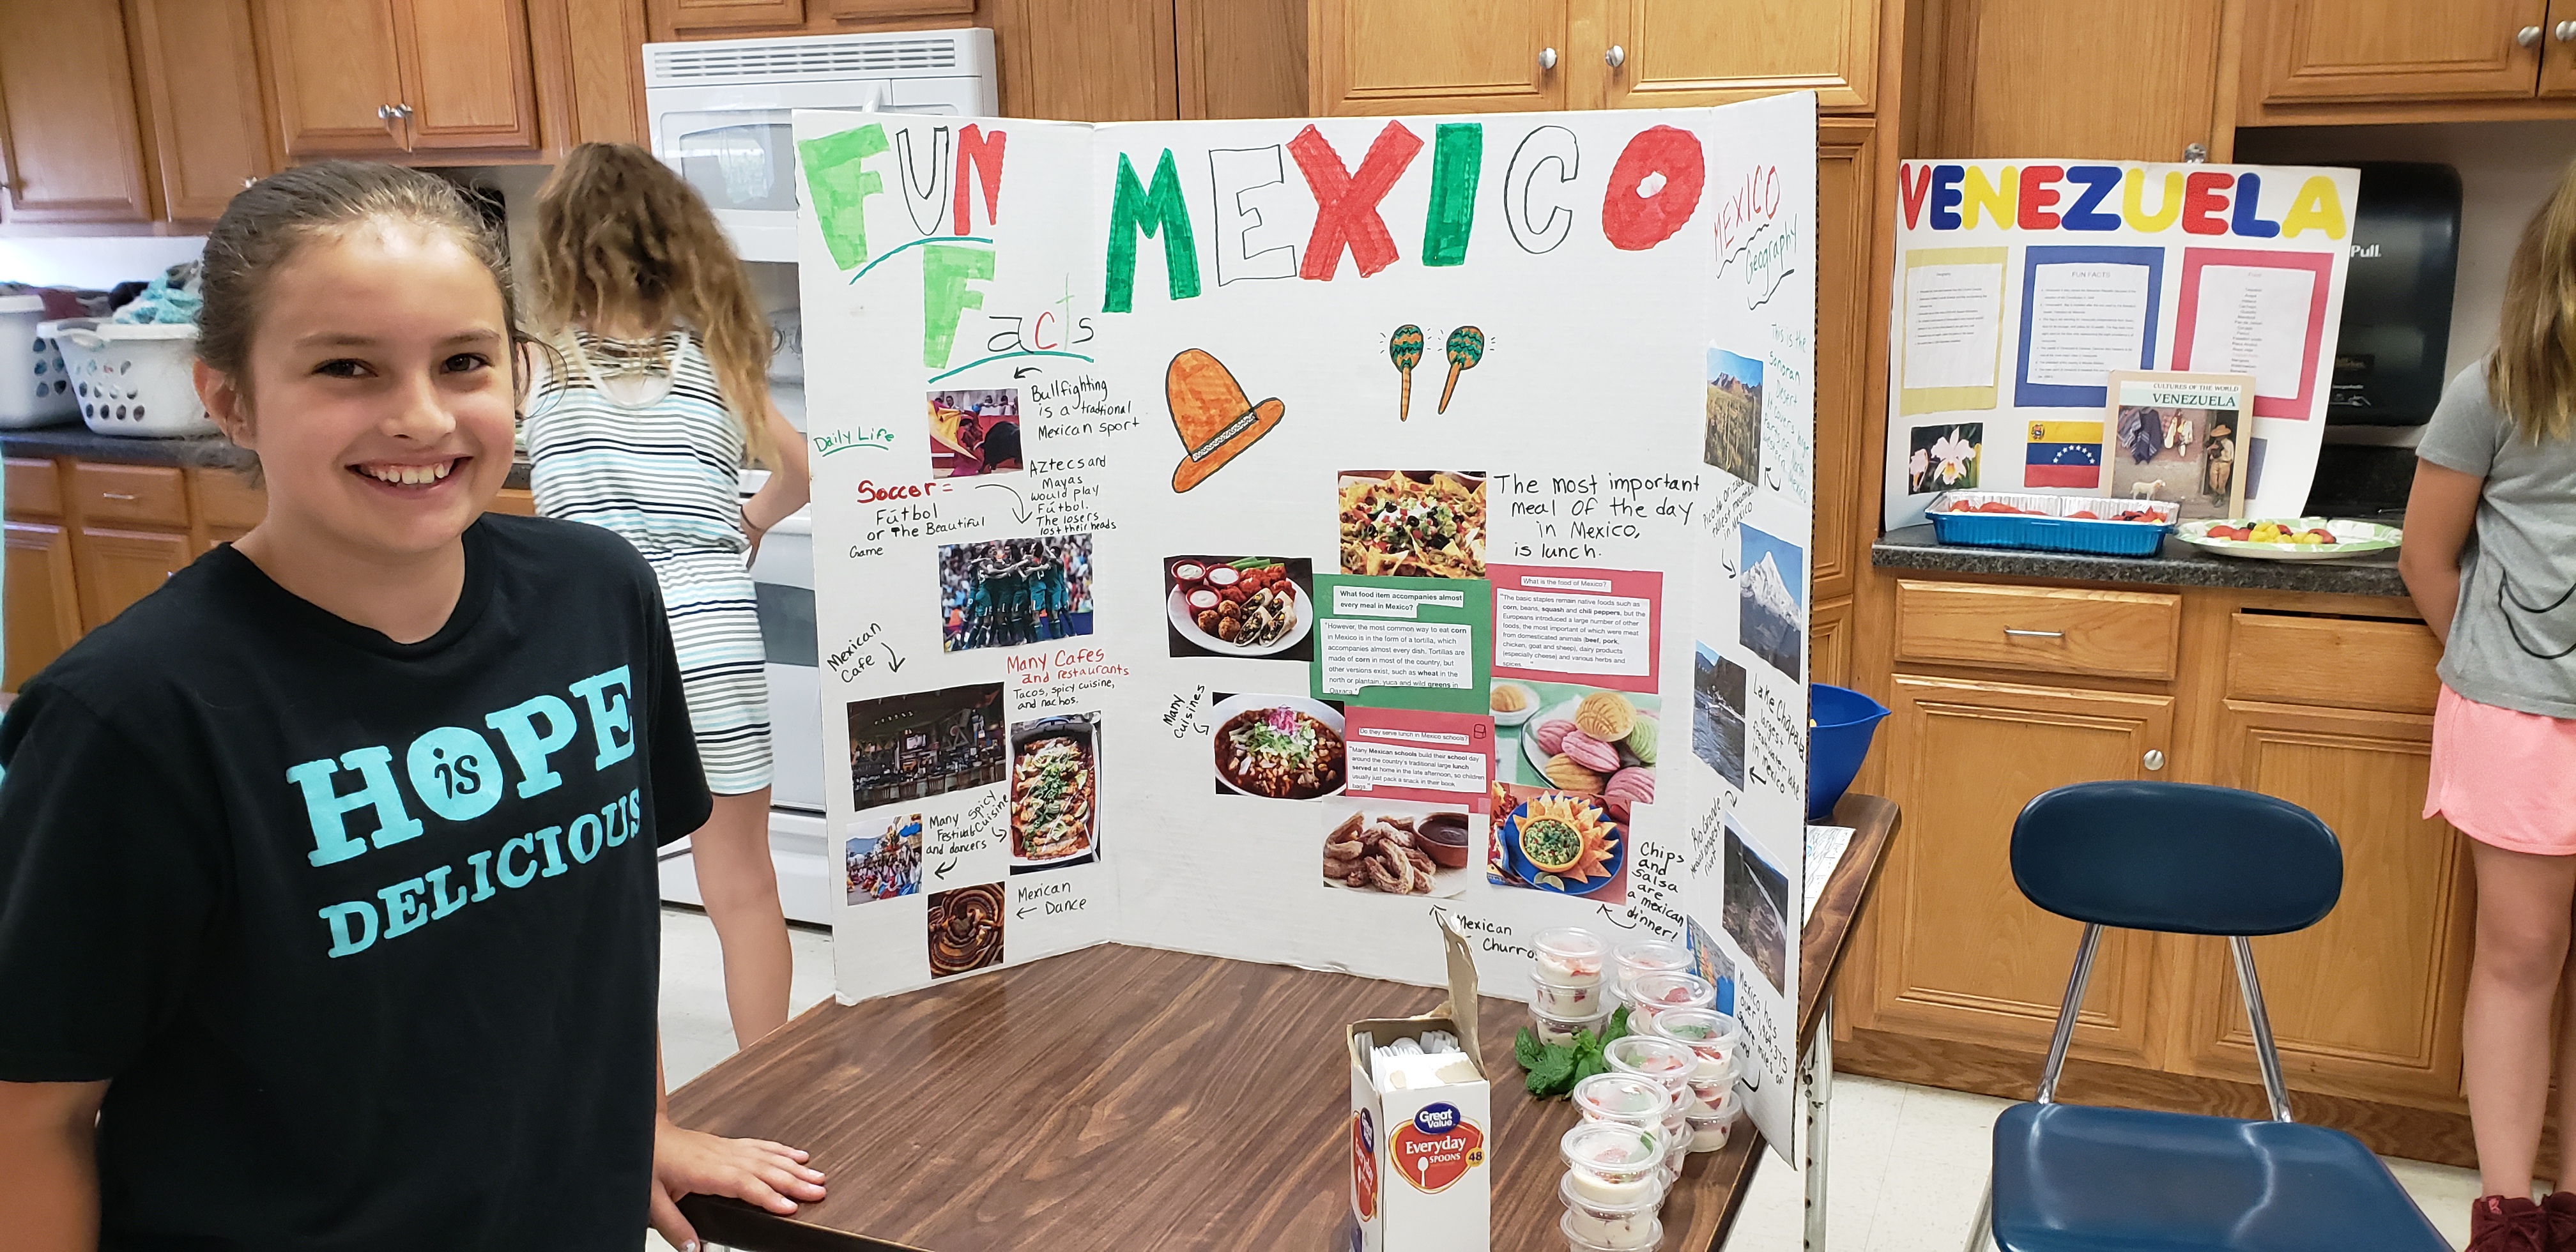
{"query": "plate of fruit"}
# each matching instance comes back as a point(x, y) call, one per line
point(2289, 539)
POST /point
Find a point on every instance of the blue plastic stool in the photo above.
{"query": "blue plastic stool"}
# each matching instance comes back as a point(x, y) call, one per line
point(2076, 1178)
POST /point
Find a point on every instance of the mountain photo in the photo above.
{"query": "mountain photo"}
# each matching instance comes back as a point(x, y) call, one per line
point(1734, 437)
point(1773, 577)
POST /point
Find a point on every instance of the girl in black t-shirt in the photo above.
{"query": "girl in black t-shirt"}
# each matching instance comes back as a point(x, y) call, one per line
point(327, 908)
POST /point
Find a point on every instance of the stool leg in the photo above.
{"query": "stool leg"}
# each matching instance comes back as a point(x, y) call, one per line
point(1981, 1227)
point(1819, 1067)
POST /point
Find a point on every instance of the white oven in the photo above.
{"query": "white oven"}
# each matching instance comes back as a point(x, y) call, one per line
point(719, 110)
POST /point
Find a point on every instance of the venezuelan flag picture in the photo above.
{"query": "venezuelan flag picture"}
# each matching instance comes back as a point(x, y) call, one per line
point(2063, 454)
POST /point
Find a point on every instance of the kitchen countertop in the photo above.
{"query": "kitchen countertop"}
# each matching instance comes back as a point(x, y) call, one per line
point(207, 451)
point(2178, 565)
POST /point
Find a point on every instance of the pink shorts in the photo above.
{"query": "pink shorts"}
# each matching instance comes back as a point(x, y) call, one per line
point(2503, 778)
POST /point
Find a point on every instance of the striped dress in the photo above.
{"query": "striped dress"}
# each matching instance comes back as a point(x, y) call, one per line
point(653, 455)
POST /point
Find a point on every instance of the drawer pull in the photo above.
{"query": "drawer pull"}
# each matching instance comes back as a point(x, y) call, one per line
point(2034, 634)
point(116, 495)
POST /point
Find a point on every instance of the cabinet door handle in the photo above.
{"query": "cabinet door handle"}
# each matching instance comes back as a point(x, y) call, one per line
point(2155, 759)
point(2034, 634)
point(384, 113)
point(2566, 32)
point(116, 495)
point(1615, 57)
point(403, 111)
point(1547, 58)
point(2528, 36)
point(246, 182)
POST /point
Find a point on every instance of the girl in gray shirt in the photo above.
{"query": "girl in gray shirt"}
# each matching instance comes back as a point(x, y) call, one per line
point(2490, 558)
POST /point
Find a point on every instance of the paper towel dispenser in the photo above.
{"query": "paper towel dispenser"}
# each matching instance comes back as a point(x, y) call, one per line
point(2390, 356)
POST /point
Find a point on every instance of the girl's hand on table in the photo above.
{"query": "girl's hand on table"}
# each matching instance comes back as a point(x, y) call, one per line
point(755, 1171)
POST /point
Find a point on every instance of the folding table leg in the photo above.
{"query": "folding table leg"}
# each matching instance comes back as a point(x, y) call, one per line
point(1819, 1076)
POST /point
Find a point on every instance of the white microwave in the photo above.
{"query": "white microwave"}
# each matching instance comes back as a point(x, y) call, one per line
point(719, 110)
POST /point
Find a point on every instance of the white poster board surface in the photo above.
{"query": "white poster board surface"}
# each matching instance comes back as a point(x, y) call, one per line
point(2021, 286)
point(1234, 536)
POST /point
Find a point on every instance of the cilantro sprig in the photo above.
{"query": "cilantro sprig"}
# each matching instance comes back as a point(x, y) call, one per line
point(1552, 1069)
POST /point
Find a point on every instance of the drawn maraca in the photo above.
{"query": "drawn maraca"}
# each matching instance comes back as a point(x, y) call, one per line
point(1404, 348)
point(1466, 347)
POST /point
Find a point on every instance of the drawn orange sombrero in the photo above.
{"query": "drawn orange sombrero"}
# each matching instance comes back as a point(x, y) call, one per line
point(1212, 416)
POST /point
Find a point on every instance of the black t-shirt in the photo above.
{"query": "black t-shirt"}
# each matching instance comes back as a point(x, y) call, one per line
point(365, 934)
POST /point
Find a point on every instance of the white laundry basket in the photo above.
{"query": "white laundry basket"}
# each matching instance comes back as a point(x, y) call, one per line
point(34, 390)
point(133, 379)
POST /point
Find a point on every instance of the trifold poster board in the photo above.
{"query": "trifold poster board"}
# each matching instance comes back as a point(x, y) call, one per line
point(2021, 285)
point(1235, 537)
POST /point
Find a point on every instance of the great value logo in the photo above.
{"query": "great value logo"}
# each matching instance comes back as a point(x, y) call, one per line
point(1363, 1168)
point(1436, 1148)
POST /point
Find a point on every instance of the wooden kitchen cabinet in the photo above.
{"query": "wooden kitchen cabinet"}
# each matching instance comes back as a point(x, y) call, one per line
point(696, 15)
point(389, 77)
point(86, 539)
point(1102, 61)
point(43, 597)
point(130, 527)
point(2558, 54)
point(1440, 56)
point(2321, 51)
point(1960, 953)
point(1829, 642)
point(208, 118)
point(119, 567)
point(2135, 81)
point(864, 10)
point(1849, 319)
point(69, 138)
point(1241, 58)
point(2077, 631)
point(2367, 1002)
point(466, 75)
point(2323, 700)
point(590, 85)
point(227, 505)
point(333, 66)
point(1684, 53)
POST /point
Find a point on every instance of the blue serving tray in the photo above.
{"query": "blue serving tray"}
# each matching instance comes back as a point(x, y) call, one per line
point(2048, 533)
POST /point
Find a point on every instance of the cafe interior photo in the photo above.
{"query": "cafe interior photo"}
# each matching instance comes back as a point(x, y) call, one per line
point(2137, 433)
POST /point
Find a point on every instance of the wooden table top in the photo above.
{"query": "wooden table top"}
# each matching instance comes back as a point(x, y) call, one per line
point(1133, 1099)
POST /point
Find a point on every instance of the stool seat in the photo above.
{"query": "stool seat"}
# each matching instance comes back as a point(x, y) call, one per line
point(2077, 1178)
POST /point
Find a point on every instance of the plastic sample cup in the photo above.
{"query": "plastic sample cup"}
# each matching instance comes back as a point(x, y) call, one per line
point(1658, 1060)
point(1560, 1030)
point(1653, 995)
point(1624, 1098)
point(1712, 1037)
point(1569, 956)
point(1587, 1232)
point(1614, 1164)
point(1650, 956)
point(1709, 1131)
point(1569, 1002)
point(1578, 1200)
